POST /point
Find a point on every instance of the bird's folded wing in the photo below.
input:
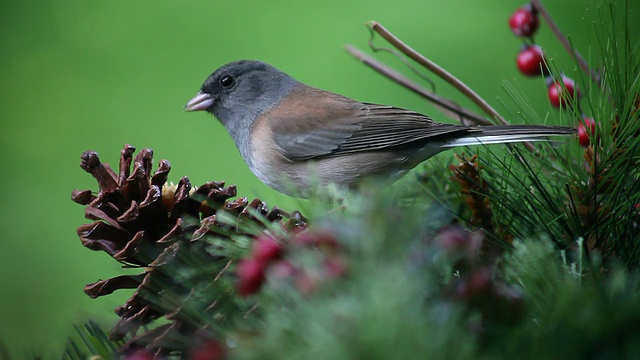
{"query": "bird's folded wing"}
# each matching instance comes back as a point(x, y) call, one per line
point(335, 125)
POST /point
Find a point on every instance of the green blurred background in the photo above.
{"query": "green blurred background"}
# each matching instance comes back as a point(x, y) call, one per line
point(80, 75)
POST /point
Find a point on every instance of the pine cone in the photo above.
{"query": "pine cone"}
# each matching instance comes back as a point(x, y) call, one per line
point(168, 231)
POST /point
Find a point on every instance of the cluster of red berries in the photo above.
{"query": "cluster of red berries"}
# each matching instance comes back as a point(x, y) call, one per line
point(524, 23)
point(267, 260)
point(251, 271)
point(531, 62)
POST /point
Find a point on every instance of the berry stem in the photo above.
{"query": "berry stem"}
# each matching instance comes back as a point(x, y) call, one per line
point(436, 69)
point(584, 65)
point(447, 106)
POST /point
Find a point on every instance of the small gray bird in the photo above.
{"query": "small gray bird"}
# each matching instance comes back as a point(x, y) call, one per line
point(293, 136)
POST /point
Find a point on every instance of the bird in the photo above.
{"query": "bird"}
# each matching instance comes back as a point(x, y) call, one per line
point(296, 138)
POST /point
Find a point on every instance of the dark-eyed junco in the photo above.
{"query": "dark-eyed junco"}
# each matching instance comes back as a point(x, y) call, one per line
point(293, 136)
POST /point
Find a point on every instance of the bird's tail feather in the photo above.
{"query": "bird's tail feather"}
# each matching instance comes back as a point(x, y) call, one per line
point(510, 133)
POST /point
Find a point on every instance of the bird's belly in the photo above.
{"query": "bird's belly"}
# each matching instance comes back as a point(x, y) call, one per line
point(303, 177)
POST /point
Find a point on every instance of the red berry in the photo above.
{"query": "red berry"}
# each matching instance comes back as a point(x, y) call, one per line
point(250, 274)
point(530, 60)
point(457, 242)
point(586, 129)
point(452, 240)
point(266, 249)
point(208, 350)
point(524, 21)
point(478, 284)
point(140, 354)
point(562, 95)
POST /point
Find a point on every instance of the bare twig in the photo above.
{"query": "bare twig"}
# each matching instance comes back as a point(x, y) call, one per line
point(443, 74)
point(584, 65)
point(433, 67)
point(407, 62)
point(447, 106)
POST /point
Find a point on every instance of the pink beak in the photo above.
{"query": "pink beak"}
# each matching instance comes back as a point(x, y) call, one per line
point(202, 101)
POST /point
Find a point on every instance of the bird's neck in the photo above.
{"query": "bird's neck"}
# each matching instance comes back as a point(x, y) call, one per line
point(241, 135)
point(239, 118)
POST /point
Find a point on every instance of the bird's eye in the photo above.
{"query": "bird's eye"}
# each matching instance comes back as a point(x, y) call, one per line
point(226, 81)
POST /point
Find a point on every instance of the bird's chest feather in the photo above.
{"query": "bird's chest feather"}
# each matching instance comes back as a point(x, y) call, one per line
point(268, 162)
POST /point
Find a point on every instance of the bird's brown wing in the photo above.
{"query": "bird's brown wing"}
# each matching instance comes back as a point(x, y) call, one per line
point(334, 125)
